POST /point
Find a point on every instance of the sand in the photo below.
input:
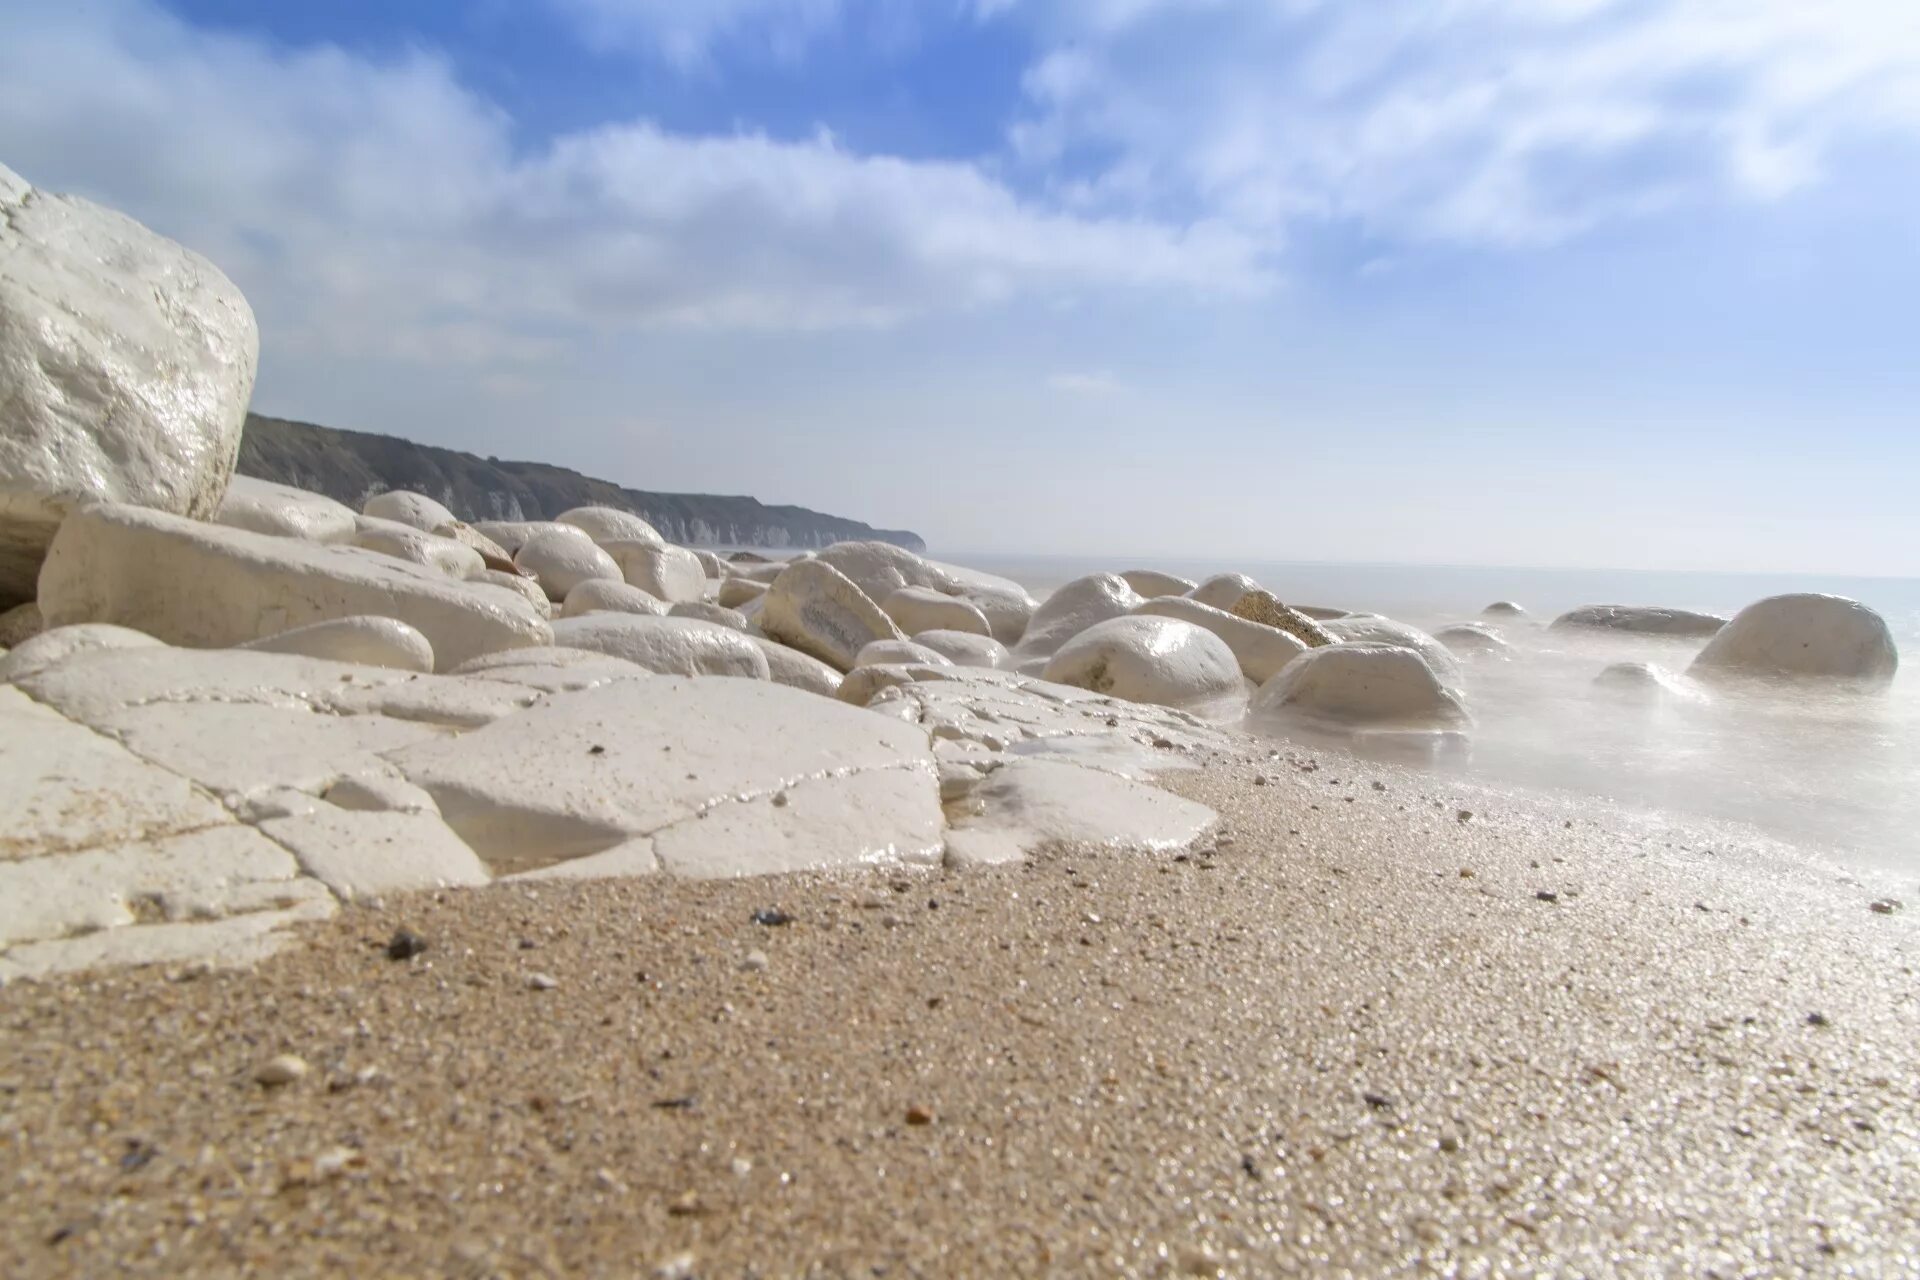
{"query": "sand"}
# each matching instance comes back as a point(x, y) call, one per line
point(1365, 1037)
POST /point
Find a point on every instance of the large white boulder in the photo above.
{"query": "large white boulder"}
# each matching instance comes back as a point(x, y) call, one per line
point(885, 652)
point(1374, 630)
point(561, 557)
point(1223, 590)
point(1646, 682)
point(669, 646)
point(415, 510)
point(736, 593)
point(1069, 611)
point(818, 610)
point(880, 569)
point(1803, 635)
point(707, 611)
point(610, 524)
point(1359, 683)
point(1641, 620)
point(126, 364)
point(604, 595)
point(1260, 650)
point(924, 609)
point(1470, 639)
point(1163, 661)
point(190, 583)
point(1005, 603)
point(673, 574)
point(1152, 583)
point(404, 542)
point(520, 585)
point(370, 641)
point(965, 649)
point(491, 553)
point(1264, 607)
point(796, 670)
point(262, 506)
point(1503, 609)
point(52, 647)
point(711, 564)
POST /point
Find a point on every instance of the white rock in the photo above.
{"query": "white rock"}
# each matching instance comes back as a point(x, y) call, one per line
point(239, 941)
point(519, 584)
point(607, 595)
point(1641, 620)
point(707, 611)
point(1803, 635)
point(1503, 609)
point(368, 640)
point(762, 573)
point(816, 609)
point(965, 649)
point(51, 648)
point(20, 624)
point(404, 542)
point(796, 670)
point(874, 816)
point(712, 565)
point(415, 510)
point(1260, 650)
point(1004, 602)
point(1071, 610)
point(1265, 608)
point(366, 854)
point(1026, 805)
point(1645, 682)
point(610, 524)
point(882, 652)
point(1159, 660)
point(262, 506)
point(1374, 630)
point(197, 584)
point(1224, 590)
point(1358, 683)
point(378, 793)
point(1472, 640)
point(671, 573)
point(531, 790)
point(924, 609)
point(669, 646)
point(1151, 583)
point(126, 362)
point(552, 669)
point(510, 534)
point(879, 569)
point(735, 592)
point(492, 554)
point(561, 561)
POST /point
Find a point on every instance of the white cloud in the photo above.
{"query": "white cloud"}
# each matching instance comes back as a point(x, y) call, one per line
point(1510, 121)
point(685, 32)
point(380, 208)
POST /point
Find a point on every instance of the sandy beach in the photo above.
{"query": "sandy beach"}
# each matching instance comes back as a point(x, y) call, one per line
point(1368, 1035)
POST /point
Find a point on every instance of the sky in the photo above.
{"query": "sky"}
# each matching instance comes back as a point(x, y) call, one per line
point(1606, 283)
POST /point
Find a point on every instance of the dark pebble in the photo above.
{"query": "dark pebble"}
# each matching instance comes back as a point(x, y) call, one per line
point(1817, 1019)
point(1547, 895)
point(772, 917)
point(405, 944)
point(1378, 1101)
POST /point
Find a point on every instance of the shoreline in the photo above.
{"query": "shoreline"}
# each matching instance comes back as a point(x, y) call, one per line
point(1328, 1050)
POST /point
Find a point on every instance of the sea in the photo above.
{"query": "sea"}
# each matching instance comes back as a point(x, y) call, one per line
point(1835, 772)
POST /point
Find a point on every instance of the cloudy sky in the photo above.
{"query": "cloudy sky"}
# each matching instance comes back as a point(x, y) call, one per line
point(1619, 283)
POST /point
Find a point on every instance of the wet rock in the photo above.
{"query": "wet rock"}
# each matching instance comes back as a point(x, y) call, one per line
point(1803, 635)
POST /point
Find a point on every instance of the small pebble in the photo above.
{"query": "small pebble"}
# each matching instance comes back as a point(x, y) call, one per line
point(282, 1070)
point(1463, 815)
point(772, 917)
point(542, 981)
point(1884, 907)
point(919, 1115)
point(405, 945)
point(754, 961)
point(1817, 1019)
point(1547, 895)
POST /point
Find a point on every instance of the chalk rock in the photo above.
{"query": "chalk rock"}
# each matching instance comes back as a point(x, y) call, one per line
point(1319, 612)
point(670, 646)
point(735, 592)
point(762, 572)
point(1645, 682)
point(261, 506)
point(711, 564)
point(1503, 609)
point(700, 777)
point(1641, 620)
point(520, 585)
point(54, 646)
point(1069, 611)
point(1262, 607)
point(415, 510)
point(707, 611)
point(561, 561)
point(361, 854)
point(189, 583)
point(20, 624)
point(1027, 805)
point(1163, 661)
point(1223, 590)
point(404, 542)
point(1803, 635)
point(509, 535)
point(610, 524)
point(491, 553)
point(1472, 640)
point(1151, 583)
point(671, 573)
point(126, 364)
point(1260, 650)
point(1374, 630)
point(879, 569)
point(606, 595)
point(818, 610)
point(1003, 602)
point(796, 670)
point(1361, 683)
point(882, 652)
point(965, 649)
point(367, 640)
point(924, 609)
point(552, 669)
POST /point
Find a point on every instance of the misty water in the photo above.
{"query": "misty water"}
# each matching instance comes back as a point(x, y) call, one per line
point(1828, 769)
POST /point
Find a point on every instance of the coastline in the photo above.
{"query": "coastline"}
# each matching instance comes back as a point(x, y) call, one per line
point(1323, 1047)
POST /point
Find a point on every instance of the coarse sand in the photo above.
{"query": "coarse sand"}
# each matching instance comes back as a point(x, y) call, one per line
point(1389, 1026)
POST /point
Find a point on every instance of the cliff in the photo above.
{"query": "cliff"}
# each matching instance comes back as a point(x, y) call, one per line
point(351, 466)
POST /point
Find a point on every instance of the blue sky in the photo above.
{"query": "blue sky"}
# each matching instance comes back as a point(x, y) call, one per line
point(1556, 282)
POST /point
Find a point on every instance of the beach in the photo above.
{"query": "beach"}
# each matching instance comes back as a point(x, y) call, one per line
point(1386, 1025)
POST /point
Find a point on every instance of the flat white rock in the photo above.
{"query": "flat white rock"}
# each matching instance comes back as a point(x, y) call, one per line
point(361, 854)
point(1163, 661)
point(669, 646)
point(370, 640)
point(1804, 635)
point(261, 506)
point(1641, 620)
point(1027, 805)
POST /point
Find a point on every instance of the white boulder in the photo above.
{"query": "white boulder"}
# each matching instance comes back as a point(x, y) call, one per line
point(711, 564)
point(884, 652)
point(1645, 682)
point(796, 670)
point(605, 595)
point(924, 609)
point(1503, 609)
point(610, 524)
point(1260, 650)
point(404, 542)
point(52, 647)
point(671, 573)
point(367, 640)
point(1803, 635)
point(1162, 661)
point(518, 584)
point(879, 569)
point(207, 585)
point(1265, 608)
point(965, 649)
point(1360, 683)
point(1069, 611)
point(261, 506)
point(1004, 602)
point(415, 510)
point(1376, 630)
point(669, 646)
point(707, 611)
point(1223, 590)
point(735, 592)
point(561, 561)
point(1640, 620)
point(1470, 639)
point(126, 365)
point(818, 610)
point(492, 554)
point(1151, 583)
